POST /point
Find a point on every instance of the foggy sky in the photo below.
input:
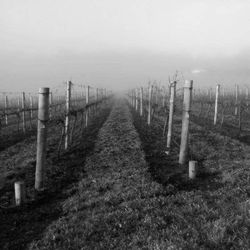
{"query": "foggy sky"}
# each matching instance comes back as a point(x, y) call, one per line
point(119, 44)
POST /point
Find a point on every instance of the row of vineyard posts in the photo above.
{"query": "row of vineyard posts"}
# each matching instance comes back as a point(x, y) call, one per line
point(101, 96)
point(231, 108)
point(136, 98)
point(141, 101)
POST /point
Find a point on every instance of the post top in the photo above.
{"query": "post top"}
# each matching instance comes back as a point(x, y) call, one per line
point(188, 84)
point(19, 182)
point(43, 90)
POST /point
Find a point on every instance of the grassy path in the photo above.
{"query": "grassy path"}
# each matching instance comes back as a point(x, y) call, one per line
point(119, 205)
point(112, 205)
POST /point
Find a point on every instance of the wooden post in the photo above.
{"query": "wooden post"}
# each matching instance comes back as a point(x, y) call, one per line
point(240, 115)
point(171, 114)
point(6, 108)
point(133, 98)
point(141, 101)
point(87, 109)
point(20, 196)
point(216, 103)
point(236, 99)
point(23, 112)
point(43, 117)
point(50, 105)
point(247, 97)
point(149, 103)
point(155, 91)
point(31, 106)
point(185, 121)
point(67, 118)
point(192, 171)
point(136, 99)
point(18, 111)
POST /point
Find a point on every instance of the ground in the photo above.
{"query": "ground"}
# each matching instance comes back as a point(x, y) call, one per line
point(126, 193)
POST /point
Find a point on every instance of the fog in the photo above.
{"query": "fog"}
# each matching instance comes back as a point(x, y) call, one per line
point(122, 44)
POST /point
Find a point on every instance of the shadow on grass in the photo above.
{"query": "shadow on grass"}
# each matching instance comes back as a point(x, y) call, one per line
point(20, 226)
point(164, 168)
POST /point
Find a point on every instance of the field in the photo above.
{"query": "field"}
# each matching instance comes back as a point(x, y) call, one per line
point(118, 189)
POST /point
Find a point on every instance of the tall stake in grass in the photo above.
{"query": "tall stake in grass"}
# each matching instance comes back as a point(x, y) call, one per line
point(171, 113)
point(87, 109)
point(247, 97)
point(50, 105)
point(23, 112)
point(43, 117)
point(216, 103)
point(31, 106)
point(149, 103)
point(6, 107)
point(67, 117)
point(188, 86)
point(136, 99)
point(236, 99)
point(141, 101)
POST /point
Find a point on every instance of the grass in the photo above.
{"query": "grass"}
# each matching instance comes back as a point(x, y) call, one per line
point(21, 225)
point(131, 197)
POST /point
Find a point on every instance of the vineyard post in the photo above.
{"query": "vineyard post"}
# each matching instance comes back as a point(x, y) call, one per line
point(236, 99)
point(164, 96)
point(149, 103)
point(216, 103)
point(31, 106)
point(136, 99)
point(18, 112)
point(6, 107)
point(171, 113)
point(134, 102)
point(132, 98)
point(87, 109)
point(19, 187)
point(23, 112)
point(141, 101)
point(247, 97)
point(50, 105)
point(185, 121)
point(192, 169)
point(43, 117)
point(155, 94)
point(67, 117)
